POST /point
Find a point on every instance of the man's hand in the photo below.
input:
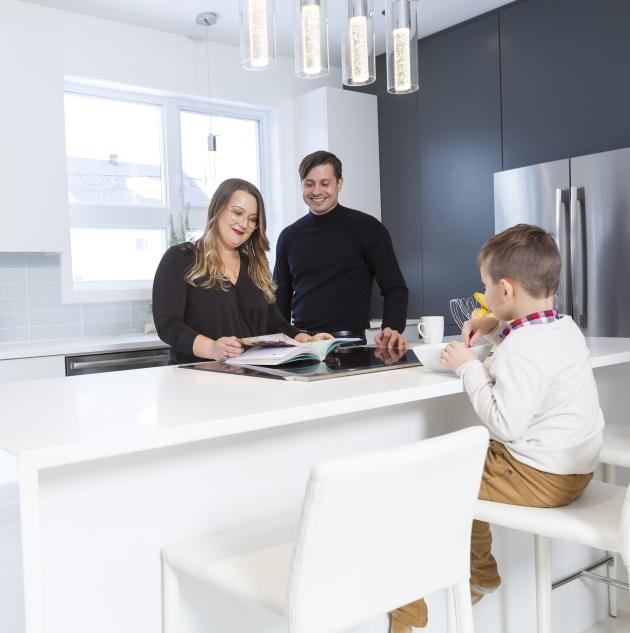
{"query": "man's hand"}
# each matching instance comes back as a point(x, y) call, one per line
point(226, 347)
point(454, 355)
point(303, 337)
point(390, 338)
point(389, 355)
point(474, 329)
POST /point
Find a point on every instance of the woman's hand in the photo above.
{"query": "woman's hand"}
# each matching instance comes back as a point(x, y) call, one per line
point(455, 354)
point(226, 347)
point(303, 337)
point(474, 329)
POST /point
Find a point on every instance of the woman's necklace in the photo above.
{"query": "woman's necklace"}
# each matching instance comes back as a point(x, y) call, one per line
point(231, 272)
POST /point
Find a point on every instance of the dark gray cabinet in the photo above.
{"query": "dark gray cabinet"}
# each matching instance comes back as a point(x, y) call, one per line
point(532, 82)
point(564, 68)
point(400, 196)
point(460, 149)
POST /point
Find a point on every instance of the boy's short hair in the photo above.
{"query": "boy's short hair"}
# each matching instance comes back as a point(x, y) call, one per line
point(525, 253)
point(319, 158)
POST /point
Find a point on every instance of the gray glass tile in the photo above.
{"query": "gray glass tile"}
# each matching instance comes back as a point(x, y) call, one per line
point(105, 305)
point(108, 315)
point(13, 290)
point(43, 304)
point(105, 329)
point(13, 334)
point(43, 273)
point(12, 275)
point(19, 319)
point(43, 260)
point(44, 289)
point(11, 306)
point(57, 317)
point(12, 260)
point(52, 332)
point(139, 310)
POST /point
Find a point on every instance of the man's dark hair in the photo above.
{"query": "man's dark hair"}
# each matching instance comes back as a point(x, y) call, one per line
point(525, 253)
point(319, 158)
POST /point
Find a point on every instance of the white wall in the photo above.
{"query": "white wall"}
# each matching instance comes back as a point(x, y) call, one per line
point(345, 123)
point(107, 51)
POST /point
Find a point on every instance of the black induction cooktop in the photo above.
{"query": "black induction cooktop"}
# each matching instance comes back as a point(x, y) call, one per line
point(345, 361)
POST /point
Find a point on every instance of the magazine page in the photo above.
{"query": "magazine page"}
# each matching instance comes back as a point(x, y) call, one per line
point(272, 355)
point(269, 340)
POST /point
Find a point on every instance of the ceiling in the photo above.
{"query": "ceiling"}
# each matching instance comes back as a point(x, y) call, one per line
point(178, 16)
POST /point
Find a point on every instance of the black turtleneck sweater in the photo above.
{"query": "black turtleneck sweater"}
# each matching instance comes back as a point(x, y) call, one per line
point(325, 265)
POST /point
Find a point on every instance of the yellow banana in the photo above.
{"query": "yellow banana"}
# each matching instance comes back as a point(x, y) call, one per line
point(481, 300)
point(478, 313)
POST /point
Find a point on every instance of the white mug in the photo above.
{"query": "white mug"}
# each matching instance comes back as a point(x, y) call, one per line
point(431, 328)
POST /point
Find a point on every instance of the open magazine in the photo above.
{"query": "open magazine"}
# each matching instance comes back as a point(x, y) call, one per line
point(276, 349)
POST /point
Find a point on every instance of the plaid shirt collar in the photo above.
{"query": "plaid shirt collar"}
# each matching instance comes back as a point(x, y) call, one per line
point(536, 318)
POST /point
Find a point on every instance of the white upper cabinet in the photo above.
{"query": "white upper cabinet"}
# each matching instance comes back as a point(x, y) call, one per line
point(34, 214)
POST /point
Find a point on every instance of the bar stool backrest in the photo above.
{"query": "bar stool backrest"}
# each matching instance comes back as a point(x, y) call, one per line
point(625, 529)
point(383, 529)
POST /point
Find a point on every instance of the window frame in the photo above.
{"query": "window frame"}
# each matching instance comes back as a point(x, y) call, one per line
point(102, 215)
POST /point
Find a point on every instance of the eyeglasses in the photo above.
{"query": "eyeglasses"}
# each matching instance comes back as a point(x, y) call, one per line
point(238, 215)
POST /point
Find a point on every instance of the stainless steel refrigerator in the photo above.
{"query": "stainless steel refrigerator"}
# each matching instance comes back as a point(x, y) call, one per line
point(585, 203)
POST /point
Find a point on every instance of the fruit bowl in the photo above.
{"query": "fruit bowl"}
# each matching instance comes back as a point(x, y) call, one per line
point(429, 354)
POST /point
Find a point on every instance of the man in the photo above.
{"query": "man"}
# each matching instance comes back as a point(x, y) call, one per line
point(327, 260)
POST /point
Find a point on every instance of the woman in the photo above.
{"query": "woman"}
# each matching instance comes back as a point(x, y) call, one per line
point(209, 294)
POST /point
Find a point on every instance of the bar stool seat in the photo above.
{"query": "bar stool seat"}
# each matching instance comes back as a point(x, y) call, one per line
point(591, 520)
point(599, 518)
point(616, 447)
point(350, 559)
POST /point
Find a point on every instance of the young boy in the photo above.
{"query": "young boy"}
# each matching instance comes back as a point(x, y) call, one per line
point(538, 399)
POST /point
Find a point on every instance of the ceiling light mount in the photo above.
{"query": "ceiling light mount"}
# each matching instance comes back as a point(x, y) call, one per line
point(207, 18)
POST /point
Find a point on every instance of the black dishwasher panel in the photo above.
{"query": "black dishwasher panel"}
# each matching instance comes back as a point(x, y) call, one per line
point(117, 361)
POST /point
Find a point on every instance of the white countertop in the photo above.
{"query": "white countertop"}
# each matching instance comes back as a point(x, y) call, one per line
point(69, 347)
point(66, 420)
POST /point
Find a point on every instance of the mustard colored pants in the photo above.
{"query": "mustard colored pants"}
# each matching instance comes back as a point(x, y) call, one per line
point(504, 480)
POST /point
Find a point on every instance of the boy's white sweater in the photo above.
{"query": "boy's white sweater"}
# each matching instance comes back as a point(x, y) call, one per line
point(539, 397)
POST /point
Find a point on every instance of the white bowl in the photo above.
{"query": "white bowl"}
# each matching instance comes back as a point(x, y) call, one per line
point(429, 354)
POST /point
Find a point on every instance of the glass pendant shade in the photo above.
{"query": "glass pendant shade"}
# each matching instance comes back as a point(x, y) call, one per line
point(402, 46)
point(357, 43)
point(311, 39)
point(258, 34)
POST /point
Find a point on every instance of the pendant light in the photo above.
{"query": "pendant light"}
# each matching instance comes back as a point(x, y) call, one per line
point(402, 46)
point(258, 34)
point(357, 43)
point(206, 20)
point(311, 38)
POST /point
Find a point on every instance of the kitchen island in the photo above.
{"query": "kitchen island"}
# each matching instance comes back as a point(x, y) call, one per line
point(98, 472)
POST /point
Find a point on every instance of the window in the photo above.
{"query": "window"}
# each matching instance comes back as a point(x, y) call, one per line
point(138, 167)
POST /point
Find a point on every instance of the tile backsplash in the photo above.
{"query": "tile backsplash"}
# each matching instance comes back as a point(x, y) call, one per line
point(31, 308)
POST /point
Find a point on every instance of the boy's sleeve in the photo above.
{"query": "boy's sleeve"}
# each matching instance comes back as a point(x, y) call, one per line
point(506, 406)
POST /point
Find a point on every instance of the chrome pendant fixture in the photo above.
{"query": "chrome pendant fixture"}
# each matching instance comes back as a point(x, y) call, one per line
point(258, 34)
point(357, 43)
point(311, 39)
point(402, 46)
point(207, 20)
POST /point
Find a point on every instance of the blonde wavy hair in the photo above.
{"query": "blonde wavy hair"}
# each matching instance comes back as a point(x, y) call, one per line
point(207, 270)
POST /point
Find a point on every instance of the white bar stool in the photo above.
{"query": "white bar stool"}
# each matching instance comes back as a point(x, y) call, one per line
point(351, 559)
point(599, 518)
point(615, 452)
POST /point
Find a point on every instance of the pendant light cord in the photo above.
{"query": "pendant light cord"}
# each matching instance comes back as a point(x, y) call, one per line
point(208, 69)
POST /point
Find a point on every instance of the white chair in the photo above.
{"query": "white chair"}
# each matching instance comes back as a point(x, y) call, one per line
point(615, 449)
point(615, 452)
point(377, 531)
point(599, 518)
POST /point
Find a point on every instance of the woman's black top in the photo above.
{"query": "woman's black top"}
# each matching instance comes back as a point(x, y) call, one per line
point(182, 311)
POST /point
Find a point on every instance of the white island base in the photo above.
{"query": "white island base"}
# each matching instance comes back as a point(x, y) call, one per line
point(99, 472)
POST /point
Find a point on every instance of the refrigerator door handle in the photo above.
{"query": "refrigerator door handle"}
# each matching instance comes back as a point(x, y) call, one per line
point(578, 256)
point(564, 246)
